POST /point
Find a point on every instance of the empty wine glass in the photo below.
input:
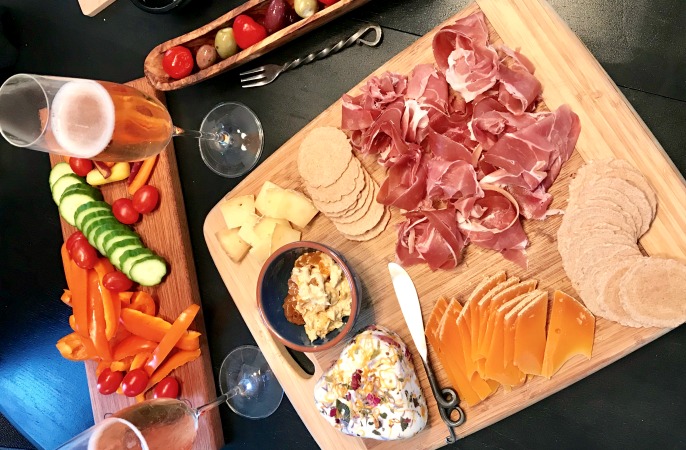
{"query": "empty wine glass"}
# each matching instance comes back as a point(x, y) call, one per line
point(111, 434)
point(113, 122)
point(247, 384)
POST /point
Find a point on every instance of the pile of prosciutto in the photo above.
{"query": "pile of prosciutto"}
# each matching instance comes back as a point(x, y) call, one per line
point(466, 153)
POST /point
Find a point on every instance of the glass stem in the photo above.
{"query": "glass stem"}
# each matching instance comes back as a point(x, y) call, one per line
point(221, 137)
point(221, 399)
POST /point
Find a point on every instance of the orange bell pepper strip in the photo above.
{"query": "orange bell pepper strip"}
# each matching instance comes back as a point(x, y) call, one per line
point(176, 360)
point(176, 332)
point(125, 297)
point(132, 346)
point(143, 302)
point(72, 322)
point(97, 324)
point(123, 365)
point(66, 263)
point(75, 347)
point(111, 306)
point(154, 328)
point(79, 293)
point(143, 174)
point(139, 360)
point(66, 297)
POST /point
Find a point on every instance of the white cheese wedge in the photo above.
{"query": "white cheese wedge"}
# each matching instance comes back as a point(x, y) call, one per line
point(232, 244)
point(247, 230)
point(237, 210)
point(268, 201)
point(372, 391)
point(283, 234)
point(274, 201)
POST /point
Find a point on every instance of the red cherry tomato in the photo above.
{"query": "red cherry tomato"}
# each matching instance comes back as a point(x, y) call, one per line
point(83, 254)
point(134, 382)
point(124, 211)
point(109, 381)
point(328, 2)
point(81, 166)
point(75, 236)
point(116, 282)
point(247, 32)
point(178, 62)
point(145, 199)
point(168, 387)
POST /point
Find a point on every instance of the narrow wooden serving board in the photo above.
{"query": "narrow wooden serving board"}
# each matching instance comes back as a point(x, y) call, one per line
point(165, 231)
point(610, 128)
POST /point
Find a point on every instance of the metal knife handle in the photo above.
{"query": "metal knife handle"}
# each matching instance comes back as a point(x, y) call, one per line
point(448, 402)
point(340, 45)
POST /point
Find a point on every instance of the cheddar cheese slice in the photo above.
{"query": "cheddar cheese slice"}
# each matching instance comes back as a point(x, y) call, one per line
point(529, 336)
point(570, 333)
point(484, 388)
point(479, 292)
point(510, 322)
point(478, 313)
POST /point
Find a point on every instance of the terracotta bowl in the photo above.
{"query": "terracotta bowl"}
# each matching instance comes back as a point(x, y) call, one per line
point(272, 288)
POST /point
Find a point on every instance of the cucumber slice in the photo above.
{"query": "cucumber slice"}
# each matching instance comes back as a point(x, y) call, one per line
point(85, 188)
point(91, 217)
point(130, 257)
point(71, 201)
point(117, 251)
point(111, 234)
point(90, 228)
point(58, 172)
point(63, 183)
point(82, 212)
point(148, 271)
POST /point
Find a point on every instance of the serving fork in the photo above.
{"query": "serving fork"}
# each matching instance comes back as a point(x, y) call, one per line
point(263, 75)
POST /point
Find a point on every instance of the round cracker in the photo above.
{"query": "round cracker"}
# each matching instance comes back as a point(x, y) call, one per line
point(636, 197)
point(364, 224)
point(620, 168)
point(652, 292)
point(363, 200)
point(375, 231)
point(608, 299)
point(602, 260)
point(360, 212)
point(323, 156)
point(351, 182)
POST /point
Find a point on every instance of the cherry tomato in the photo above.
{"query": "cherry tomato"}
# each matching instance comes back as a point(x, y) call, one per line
point(247, 32)
point(168, 387)
point(116, 282)
point(83, 254)
point(81, 166)
point(145, 199)
point(109, 381)
point(75, 236)
point(134, 382)
point(328, 2)
point(124, 211)
point(178, 62)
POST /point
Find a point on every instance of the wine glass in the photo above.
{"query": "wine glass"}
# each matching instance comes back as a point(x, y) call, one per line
point(112, 433)
point(107, 121)
point(247, 384)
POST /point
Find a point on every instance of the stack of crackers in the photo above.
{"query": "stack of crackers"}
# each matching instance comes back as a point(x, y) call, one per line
point(339, 185)
point(611, 205)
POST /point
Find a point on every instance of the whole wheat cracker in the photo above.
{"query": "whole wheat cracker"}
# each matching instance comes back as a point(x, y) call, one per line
point(323, 156)
point(375, 231)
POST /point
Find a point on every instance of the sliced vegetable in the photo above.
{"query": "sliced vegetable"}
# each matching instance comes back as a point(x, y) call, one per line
point(154, 328)
point(120, 171)
point(177, 330)
point(140, 359)
point(58, 171)
point(79, 292)
point(178, 359)
point(178, 62)
point(72, 322)
point(125, 297)
point(123, 365)
point(133, 345)
point(247, 32)
point(135, 167)
point(143, 302)
point(66, 263)
point(110, 302)
point(143, 174)
point(76, 347)
point(104, 169)
point(66, 298)
point(109, 381)
point(96, 321)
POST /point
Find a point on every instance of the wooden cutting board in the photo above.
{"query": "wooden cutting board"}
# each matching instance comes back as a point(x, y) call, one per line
point(610, 128)
point(165, 231)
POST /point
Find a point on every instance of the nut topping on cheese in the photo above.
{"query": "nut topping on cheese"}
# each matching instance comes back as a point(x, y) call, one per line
point(372, 391)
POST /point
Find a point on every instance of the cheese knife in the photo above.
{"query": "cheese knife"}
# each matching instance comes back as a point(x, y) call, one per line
point(446, 398)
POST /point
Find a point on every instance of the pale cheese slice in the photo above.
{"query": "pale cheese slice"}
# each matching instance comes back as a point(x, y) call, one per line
point(274, 201)
point(237, 210)
point(232, 244)
point(247, 230)
point(268, 201)
point(283, 234)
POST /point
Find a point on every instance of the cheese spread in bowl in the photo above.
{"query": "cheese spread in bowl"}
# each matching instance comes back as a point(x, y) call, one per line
point(307, 296)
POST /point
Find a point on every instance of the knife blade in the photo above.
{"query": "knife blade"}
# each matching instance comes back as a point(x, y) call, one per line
point(409, 305)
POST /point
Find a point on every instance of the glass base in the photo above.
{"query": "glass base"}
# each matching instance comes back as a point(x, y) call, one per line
point(243, 140)
point(246, 367)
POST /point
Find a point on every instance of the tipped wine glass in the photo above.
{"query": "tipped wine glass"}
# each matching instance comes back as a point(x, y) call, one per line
point(248, 386)
point(112, 122)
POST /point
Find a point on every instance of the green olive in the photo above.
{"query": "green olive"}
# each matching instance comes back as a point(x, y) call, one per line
point(225, 43)
point(305, 8)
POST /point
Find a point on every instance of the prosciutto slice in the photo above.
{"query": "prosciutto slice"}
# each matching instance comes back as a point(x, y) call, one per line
point(533, 156)
point(448, 180)
point(432, 237)
point(518, 88)
point(464, 55)
point(405, 186)
point(492, 222)
point(429, 88)
point(491, 120)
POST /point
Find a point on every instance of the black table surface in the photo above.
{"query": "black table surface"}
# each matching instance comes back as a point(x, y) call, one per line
point(637, 402)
